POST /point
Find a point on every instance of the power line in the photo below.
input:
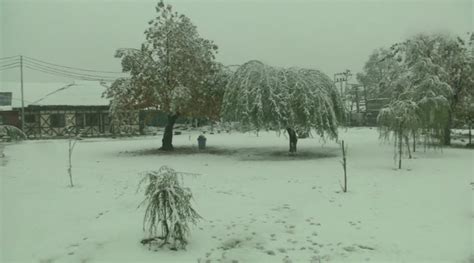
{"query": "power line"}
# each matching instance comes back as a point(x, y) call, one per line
point(12, 67)
point(9, 61)
point(11, 64)
point(44, 67)
point(53, 92)
point(68, 75)
point(75, 68)
point(4, 58)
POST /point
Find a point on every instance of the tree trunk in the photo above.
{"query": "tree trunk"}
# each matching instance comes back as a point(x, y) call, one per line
point(408, 146)
point(447, 130)
point(414, 141)
point(167, 141)
point(400, 146)
point(357, 99)
point(470, 135)
point(293, 139)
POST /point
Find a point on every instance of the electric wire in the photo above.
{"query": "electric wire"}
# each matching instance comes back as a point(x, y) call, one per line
point(74, 68)
point(44, 67)
point(69, 75)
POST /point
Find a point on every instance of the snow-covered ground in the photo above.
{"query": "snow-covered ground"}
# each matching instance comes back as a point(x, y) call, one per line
point(258, 204)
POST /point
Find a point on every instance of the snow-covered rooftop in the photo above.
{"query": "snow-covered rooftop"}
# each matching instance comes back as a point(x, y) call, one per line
point(85, 93)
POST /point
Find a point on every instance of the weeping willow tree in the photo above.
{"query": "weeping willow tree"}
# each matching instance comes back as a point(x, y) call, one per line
point(297, 100)
point(420, 110)
point(397, 121)
point(422, 93)
point(438, 70)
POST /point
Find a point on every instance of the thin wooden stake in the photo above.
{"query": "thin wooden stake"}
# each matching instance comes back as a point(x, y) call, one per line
point(400, 146)
point(344, 166)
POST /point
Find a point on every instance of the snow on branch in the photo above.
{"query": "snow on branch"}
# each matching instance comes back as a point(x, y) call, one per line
point(271, 98)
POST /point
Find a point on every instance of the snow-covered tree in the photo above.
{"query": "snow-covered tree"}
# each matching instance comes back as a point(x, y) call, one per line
point(262, 97)
point(397, 121)
point(436, 69)
point(379, 72)
point(428, 82)
point(168, 208)
point(169, 72)
point(465, 110)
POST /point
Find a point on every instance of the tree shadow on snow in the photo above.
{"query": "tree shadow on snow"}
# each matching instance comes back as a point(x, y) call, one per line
point(245, 153)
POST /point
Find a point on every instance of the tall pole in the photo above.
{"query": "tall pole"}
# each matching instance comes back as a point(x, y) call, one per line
point(22, 96)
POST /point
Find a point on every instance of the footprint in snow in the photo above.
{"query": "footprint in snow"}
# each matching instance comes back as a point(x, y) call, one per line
point(349, 248)
point(101, 214)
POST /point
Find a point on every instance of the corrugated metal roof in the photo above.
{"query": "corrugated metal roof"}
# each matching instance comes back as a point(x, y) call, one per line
point(48, 93)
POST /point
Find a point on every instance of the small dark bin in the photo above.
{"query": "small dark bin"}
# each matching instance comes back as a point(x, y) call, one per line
point(201, 142)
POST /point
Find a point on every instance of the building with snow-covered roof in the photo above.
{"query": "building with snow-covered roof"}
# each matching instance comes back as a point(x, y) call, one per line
point(53, 109)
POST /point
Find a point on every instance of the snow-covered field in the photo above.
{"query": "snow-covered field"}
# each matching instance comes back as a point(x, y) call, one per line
point(258, 204)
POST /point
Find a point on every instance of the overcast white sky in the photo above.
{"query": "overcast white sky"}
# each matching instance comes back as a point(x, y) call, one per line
point(327, 35)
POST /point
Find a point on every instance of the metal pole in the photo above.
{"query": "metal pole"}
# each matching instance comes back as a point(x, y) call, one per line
point(22, 96)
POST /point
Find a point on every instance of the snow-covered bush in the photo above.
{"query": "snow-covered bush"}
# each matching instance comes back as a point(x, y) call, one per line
point(11, 133)
point(168, 208)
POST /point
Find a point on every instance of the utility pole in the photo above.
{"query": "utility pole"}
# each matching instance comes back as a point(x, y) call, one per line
point(342, 77)
point(22, 96)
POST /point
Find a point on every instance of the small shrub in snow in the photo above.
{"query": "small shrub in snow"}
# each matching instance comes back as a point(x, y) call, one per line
point(168, 208)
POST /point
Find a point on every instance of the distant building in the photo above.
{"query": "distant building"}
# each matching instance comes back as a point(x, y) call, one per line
point(51, 109)
point(8, 116)
point(373, 107)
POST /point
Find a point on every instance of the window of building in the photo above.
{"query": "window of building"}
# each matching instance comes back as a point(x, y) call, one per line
point(105, 119)
point(92, 119)
point(30, 118)
point(80, 122)
point(57, 120)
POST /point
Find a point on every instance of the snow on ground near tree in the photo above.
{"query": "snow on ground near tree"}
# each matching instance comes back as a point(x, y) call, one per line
point(259, 204)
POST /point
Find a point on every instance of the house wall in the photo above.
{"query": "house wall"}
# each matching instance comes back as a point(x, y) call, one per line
point(10, 117)
point(41, 122)
point(373, 108)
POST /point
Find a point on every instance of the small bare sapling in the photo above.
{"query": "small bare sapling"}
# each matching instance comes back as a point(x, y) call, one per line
point(72, 140)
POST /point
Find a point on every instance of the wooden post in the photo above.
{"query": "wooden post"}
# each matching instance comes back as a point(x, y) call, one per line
point(344, 166)
point(22, 96)
point(470, 134)
point(400, 145)
point(357, 98)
